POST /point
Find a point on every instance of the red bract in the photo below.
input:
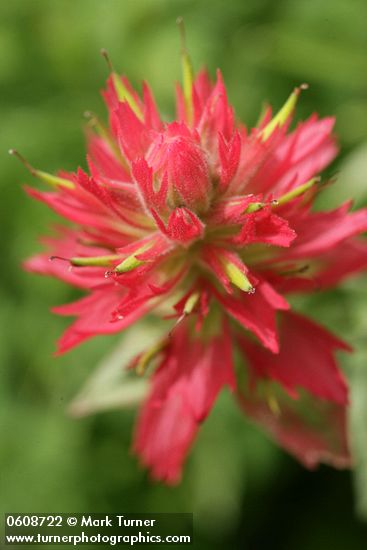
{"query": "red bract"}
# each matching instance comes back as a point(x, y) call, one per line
point(217, 220)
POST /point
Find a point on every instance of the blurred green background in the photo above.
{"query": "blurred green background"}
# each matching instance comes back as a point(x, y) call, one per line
point(244, 492)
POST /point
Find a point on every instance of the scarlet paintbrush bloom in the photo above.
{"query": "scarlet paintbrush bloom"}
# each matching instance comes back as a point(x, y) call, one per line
point(210, 225)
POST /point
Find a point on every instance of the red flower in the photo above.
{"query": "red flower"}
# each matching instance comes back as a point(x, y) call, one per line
point(216, 219)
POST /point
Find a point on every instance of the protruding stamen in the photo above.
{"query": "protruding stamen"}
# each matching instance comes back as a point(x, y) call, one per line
point(147, 357)
point(188, 308)
point(104, 133)
point(187, 72)
point(254, 207)
point(24, 161)
point(191, 302)
point(283, 114)
point(94, 261)
point(132, 262)
point(89, 261)
point(237, 277)
point(50, 179)
point(122, 92)
point(297, 192)
point(104, 53)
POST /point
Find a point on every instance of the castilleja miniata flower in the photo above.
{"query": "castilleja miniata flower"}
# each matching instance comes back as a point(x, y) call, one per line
point(211, 226)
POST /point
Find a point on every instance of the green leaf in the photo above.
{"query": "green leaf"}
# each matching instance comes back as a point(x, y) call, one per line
point(112, 385)
point(359, 433)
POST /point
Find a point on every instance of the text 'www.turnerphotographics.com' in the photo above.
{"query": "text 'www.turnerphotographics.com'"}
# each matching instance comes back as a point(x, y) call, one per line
point(111, 529)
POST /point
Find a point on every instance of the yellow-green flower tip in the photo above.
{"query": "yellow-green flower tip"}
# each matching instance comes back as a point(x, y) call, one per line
point(254, 207)
point(122, 92)
point(191, 303)
point(50, 179)
point(237, 277)
point(297, 192)
point(54, 181)
point(187, 72)
point(283, 114)
point(130, 263)
point(93, 261)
